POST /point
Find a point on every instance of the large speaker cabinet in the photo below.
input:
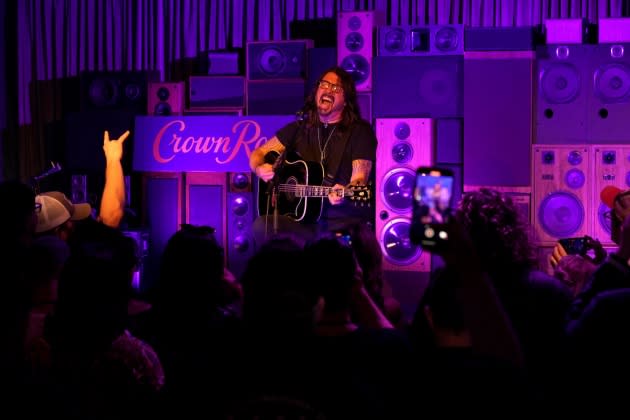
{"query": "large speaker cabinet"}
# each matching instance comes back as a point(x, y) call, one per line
point(404, 144)
point(355, 45)
point(611, 167)
point(561, 189)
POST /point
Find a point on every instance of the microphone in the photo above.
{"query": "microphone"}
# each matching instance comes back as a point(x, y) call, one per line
point(609, 194)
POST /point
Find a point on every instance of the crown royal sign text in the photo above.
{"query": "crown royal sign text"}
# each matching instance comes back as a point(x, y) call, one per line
point(200, 143)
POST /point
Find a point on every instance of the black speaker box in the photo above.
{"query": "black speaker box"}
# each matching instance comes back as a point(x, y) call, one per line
point(562, 93)
point(423, 86)
point(609, 94)
point(277, 59)
point(117, 90)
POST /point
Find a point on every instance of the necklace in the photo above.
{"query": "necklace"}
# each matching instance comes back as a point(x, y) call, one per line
point(322, 150)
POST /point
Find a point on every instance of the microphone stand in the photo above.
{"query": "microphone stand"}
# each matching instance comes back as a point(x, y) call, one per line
point(272, 188)
point(278, 167)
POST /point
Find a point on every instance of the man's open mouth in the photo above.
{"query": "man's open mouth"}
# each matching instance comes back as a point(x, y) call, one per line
point(327, 98)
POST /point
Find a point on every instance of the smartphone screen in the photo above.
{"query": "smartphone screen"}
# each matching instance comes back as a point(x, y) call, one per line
point(432, 201)
point(574, 246)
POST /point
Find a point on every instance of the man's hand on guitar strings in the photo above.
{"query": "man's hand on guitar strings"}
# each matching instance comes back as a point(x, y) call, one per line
point(264, 172)
point(336, 195)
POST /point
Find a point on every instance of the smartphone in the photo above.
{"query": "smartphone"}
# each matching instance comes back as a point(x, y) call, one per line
point(574, 246)
point(344, 237)
point(432, 206)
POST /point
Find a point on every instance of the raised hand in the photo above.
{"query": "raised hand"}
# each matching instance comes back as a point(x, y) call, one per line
point(114, 148)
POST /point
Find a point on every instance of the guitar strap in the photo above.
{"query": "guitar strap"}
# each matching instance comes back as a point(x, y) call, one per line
point(333, 166)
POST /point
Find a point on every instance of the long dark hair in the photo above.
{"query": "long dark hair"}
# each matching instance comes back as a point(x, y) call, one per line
point(499, 235)
point(351, 111)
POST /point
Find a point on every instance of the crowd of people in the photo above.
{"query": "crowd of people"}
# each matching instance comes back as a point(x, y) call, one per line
point(307, 331)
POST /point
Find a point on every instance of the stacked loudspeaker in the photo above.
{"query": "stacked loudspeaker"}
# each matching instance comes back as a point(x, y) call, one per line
point(582, 126)
point(417, 81)
point(404, 144)
point(276, 76)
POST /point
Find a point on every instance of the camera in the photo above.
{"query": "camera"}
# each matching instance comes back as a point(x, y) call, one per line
point(575, 246)
point(431, 208)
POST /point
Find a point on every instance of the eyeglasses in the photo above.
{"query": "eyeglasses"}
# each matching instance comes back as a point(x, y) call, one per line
point(324, 84)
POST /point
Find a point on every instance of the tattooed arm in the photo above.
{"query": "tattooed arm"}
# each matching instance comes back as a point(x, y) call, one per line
point(361, 169)
point(257, 158)
point(360, 174)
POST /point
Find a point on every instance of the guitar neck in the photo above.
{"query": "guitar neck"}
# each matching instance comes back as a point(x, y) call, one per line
point(303, 190)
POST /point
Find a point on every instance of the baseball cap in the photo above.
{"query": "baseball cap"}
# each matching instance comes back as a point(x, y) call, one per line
point(55, 209)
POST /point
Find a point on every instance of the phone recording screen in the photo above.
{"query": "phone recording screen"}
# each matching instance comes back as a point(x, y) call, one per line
point(432, 194)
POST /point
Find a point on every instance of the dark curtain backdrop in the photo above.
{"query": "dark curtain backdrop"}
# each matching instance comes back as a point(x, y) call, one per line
point(52, 40)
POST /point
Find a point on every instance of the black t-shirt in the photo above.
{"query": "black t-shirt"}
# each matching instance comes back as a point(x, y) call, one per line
point(324, 142)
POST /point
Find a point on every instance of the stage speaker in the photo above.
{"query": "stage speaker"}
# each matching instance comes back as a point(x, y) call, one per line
point(277, 59)
point(355, 44)
point(117, 90)
point(609, 94)
point(79, 189)
point(241, 211)
point(275, 97)
point(166, 98)
point(498, 117)
point(209, 92)
point(424, 86)
point(403, 146)
point(161, 215)
point(562, 93)
point(420, 40)
point(204, 200)
point(612, 167)
point(561, 188)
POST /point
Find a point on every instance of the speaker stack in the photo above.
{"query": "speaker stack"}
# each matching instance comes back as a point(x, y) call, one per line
point(612, 167)
point(562, 82)
point(609, 87)
point(117, 90)
point(166, 98)
point(276, 76)
point(562, 191)
point(404, 144)
point(240, 216)
point(419, 72)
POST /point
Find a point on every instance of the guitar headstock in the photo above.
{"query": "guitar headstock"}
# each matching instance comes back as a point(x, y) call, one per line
point(360, 194)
